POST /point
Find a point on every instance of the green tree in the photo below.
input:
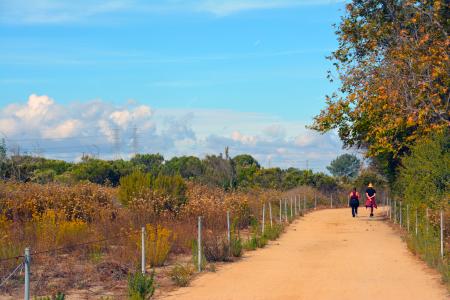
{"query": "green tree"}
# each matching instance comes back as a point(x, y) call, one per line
point(188, 167)
point(245, 169)
point(149, 163)
point(134, 186)
point(424, 177)
point(173, 189)
point(269, 178)
point(345, 165)
point(96, 171)
point(3, 150)
point(217, 171)
point(4, 163)
point(370, 176)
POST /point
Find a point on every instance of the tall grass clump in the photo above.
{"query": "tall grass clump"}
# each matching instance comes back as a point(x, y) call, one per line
point(255, 240)
point(273, 232)
point(181, 274)
point(141, 286)
point(158, 243)
point(54, 230)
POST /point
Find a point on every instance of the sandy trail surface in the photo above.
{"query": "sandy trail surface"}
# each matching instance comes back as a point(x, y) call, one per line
point(325, 255)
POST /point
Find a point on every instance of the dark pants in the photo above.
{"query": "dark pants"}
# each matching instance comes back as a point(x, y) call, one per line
point(354, 205)
point(354, 210)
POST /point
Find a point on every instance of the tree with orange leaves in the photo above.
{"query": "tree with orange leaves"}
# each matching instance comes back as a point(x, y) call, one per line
point(393, 65)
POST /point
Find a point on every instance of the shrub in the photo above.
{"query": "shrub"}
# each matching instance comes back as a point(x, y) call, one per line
point(251, 243)
point(58, 296)
point(216, 248)
point(158, 242)
point(261, 242)
point(425, 173)
point(173, 188)
point(141, 286)
point(274, 232)
point(53, 229)
point(133, 186)
point(236, 246)
point(181, 274)
point(255, 241)
point(423, 182)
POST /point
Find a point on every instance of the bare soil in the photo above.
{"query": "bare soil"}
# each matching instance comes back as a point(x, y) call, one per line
point(325, 255)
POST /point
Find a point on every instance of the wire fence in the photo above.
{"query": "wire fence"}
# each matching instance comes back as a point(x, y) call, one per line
point(142, 247)
point(426, 230)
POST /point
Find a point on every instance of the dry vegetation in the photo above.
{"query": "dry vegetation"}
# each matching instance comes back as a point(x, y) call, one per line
point(82, 239)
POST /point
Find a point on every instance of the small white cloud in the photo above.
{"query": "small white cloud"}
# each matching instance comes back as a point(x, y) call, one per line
point(304, 140)
point(281, 150)
point(245, 139)
point(66, 129)
point(8, 126)
point(121, 118)
point(37, 107)
point(106, 130)
point(141, 112)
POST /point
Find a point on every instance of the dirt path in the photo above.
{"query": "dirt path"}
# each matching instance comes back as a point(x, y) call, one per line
point(325, 255)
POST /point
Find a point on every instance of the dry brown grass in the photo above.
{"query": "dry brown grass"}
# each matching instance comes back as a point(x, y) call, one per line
point(97, 240)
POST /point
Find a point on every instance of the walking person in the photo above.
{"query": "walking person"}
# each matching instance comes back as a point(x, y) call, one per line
point(354, 202)
point(370, 196)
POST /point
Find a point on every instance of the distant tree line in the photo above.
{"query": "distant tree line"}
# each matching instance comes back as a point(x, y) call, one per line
point(239, 172)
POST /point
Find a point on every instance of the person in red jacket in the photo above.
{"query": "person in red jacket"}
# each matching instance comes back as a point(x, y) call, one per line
point(353, 202)
point(370, 196)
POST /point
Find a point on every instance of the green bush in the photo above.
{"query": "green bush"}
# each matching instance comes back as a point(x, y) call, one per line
point(133, 186)
point(58, 296)
point(173, 188)
point(425, 174)
point(181, 274)
point(424, 182)
point(274, 232)
point(251, 243)
point(236, 246)
point(141, 286)
point(254, 242)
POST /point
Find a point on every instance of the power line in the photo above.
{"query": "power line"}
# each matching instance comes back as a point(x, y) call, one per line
point(135, 141)
point(116, 140)
point(55, 139)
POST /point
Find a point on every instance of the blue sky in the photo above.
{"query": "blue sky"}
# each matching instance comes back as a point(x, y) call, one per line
point(192, 76)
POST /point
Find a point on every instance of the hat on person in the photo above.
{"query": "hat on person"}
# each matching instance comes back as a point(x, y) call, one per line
point(370, 185)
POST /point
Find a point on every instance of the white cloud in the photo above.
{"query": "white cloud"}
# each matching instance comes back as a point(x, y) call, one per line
point(245, 139)
point(142, 111)
point(66, 130)
point(8, 126)
point(37, 107)
point(123, 118)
